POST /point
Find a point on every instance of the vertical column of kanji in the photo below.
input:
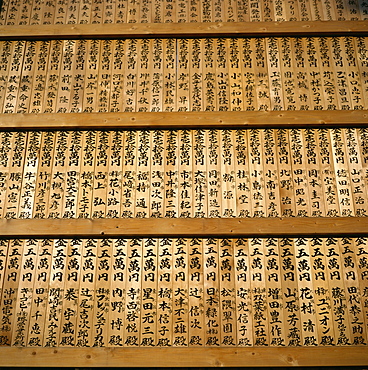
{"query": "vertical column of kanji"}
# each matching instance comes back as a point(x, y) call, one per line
point(207, 11)
point(258, 292)
point(72, 13)
point(351, 58)
point(44, 175)
point(362, 134)
point(165, 292)
point(46, 102)
point(171, 174)
point(270, 169)
point(353, 287)
point(254, 84)
point(317, 10)
point(134, 10)
point(299, 174)
point(157, 11)
point(78, 80)
point(287, 74)
point(169, 11)
point(243, 11)
point(13, 11)
point(35, 12)
point(87, 294)
point(342, 175)
point(180, 331)
point(157, 70)
point(16, 166)
point(144, 75)
point(255, 11)
point(227, 289)
point(91, 76)
point(131, 76)
point(21, 103)
point(262, 92)
point(222, 74)
point(338, 296)
point(146, 11)
point(313, 67)
point(256, 171)
point(314, 173)
point(133, 298)
point(97, 12)
point(185, 175)
point(53, 309)
point(268, 13)
point(182, 11)
point(218, 7)
point(285, 175)
point(128, 179)
point(70, 298)
point(104, 77)
point(242, 179)
point(24, 296)
point(169, 103)
point(108, 12)
point(304, 10)
point(214, 192)
point(3, 11)
point(282, 12)
point(6, 153)
point(209, 75)
point(290, 293)
point(244, 315)
point(274, 69)
point(356, 171)
point(306, 292)
point(227, 173)
point(230, 14)
point(325, 325)
point(156, 176)
point(301, 76)
point(275, 303)
point(60, 8)
point(4, 249)
point(182, 87)
point(101, 307)
point(85, 10)
point(117, 80)
point(142, 192)
point(118, 279)
point(5, 58)
point(236, 100)
point(101, 176)
point(340, 72)
point(329, 10)
point(149, 307)
point(194, 10)
point(29, 181)
point(73, 176)
point(14, 77)
point(327, 173)
point(35, 102)
point(11, 279)
point(352, 9)
point(38, 305)
point(361, 253)
point(196, 298)
point(361, 49)
point(87, 174)
point(121, 11)
point(363, 9)
point(200, 194)
point(211, 273)
point(60, 161)
point(196, 75)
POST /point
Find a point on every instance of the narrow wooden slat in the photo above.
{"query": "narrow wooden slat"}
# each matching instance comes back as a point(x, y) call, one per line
point(177, 120)
point(189, 29)
point(165, 227)
point(132, 357)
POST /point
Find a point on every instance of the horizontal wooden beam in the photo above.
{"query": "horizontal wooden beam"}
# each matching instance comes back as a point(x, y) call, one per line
point(255, 119)
point(179, 227)
point(200, 29)
point(184, 357)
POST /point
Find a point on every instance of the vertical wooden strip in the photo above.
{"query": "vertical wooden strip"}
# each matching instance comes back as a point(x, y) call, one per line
point(5, 57)
point(209, 75)
point(156, 98)
point(97, 12)
point(78, 82)
point(182, 11)
point(144, 75)
point(222, 74)
point(85, 9)
point(196, 74)
point(218, 10)
point(109, 12)
point(131, 77)
point(207, 11)
point(361, 49)
point(304, 10)
point(268, 14)
point(243, 11)
point(7, 140)
point(121, 11)
point(236, 76)
point(10, 287)
point(214, 192)
point(72, 13)
point(283, 11)
point(70, 298)
point(60, 9)
point(104, 77)
point(262, 92)
point(183, 75)
point(255, 11)
point(169, 103)
point(200, 174)
point(117, 83)
point(146, 11)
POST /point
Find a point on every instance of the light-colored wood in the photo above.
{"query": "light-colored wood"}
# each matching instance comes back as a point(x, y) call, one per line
point(196, 29)
point(136, 357)
point(235, 227)
point(187, 119)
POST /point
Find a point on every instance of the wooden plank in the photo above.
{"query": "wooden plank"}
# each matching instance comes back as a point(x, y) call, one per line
point(174, 120)
point(184, 29)
point(235, 227)
point(172, 357)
